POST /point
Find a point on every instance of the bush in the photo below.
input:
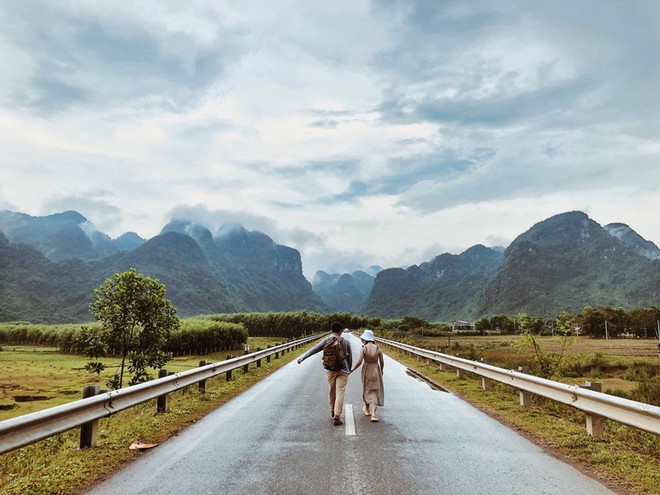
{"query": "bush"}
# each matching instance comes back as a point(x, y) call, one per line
point(647, 391)
point(638, 372)
point(617, 392)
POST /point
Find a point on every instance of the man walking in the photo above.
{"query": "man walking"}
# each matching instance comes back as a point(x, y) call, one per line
point(337, 361)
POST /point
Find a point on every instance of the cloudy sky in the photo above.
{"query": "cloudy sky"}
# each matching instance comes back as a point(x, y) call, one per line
point(358, 132)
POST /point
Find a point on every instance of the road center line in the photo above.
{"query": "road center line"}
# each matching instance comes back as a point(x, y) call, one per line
point(350, 419)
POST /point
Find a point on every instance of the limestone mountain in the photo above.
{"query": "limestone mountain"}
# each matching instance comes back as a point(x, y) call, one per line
point(266, 275)
point(568, 262)
point(444, 288)
point(66, 235)
point(343, 292)
point(633, 240)
point(238, 271)
point(563, 263)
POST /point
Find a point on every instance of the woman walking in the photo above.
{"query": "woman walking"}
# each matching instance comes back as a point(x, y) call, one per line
point(373, 393)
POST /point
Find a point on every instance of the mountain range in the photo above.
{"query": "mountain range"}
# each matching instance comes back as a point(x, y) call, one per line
point(50, 265)
point(563, 263)
point(347, 291)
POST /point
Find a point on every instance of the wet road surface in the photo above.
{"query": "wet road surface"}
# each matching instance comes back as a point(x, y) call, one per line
point(278, 438)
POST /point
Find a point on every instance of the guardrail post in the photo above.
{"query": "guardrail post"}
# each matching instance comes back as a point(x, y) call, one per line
point(442, 367)
point(161, 404)
point(594, 425)
point(459, 373)
point(486, 383)
point(258, 360)
point(89, 431)
point(595, 386)
point(594, 421)
point(229, 356)
point(525, 396)
point(246, 367)
point(268, 357)
point(202, 383)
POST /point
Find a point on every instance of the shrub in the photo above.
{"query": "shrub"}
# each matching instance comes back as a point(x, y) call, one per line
point(647, 391)
point(638, 372)
point(617, 392)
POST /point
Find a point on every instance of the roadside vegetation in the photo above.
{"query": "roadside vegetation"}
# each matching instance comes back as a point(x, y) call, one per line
point(56, 465)
point(43, 366)
point(626, 459)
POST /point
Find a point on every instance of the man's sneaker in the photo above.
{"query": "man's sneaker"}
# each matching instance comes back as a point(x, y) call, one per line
point(338, 421)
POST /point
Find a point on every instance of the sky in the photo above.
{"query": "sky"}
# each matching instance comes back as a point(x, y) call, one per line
point(361, 133)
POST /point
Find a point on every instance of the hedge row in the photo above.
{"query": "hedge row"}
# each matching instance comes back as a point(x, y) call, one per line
point(294, 324)
point(195, 336)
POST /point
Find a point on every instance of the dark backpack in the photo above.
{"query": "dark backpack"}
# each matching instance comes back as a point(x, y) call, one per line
point(333, 354)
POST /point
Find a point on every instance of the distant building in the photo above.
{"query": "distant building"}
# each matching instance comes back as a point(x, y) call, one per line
point(462, 326)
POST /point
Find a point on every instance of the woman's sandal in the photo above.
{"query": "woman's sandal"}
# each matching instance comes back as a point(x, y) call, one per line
point(365, 410)
point(374, 418)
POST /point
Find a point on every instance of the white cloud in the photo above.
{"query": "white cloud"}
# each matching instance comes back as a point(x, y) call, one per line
point(361, 133)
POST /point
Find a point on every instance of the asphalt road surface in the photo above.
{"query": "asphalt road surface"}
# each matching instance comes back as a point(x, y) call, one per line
point(278, 438)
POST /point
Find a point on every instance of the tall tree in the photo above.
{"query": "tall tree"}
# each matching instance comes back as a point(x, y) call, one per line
point(136, 320)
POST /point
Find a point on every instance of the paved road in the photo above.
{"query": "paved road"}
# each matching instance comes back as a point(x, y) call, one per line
point(278, 438)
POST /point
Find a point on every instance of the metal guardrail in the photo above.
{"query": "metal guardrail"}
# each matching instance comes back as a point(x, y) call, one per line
point(597, 405)
point(30, 428)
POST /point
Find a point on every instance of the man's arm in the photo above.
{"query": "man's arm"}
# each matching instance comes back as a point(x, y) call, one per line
point(317, 348)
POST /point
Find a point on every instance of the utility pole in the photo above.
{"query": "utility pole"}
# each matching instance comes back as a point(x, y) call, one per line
point(606, 334)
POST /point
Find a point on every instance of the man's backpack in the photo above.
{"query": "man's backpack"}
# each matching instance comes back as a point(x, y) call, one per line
point(333, 354)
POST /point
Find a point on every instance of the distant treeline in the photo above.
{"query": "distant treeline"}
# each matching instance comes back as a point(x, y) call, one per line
point(595, 322)
point(292, 325)
point(195, 336)
point(198, 335)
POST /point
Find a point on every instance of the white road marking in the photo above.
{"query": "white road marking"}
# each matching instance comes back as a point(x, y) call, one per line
point(350, 419)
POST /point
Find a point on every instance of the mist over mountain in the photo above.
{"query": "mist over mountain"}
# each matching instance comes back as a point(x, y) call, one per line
point(66, 235)
point(633, 240)
point(50, 266)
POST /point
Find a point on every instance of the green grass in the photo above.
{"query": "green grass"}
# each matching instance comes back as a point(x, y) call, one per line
point(57, 466)
point(41, 377)
point(625, 458)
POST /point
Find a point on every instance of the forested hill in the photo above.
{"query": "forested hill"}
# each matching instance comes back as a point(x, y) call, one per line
point(50, 276)
point(446, 288)
point(50, 265)
point(346, 291)
point(563, 263)
point(568, 262)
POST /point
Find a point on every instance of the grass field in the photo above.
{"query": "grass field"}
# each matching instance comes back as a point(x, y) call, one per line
point(625, 459)
point(57, 466)
point(34, 378)
point(612, 362)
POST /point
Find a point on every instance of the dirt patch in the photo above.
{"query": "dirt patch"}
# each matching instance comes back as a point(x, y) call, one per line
point(30, 398)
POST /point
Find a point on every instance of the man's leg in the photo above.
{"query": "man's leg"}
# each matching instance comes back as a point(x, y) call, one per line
point(332, 383)
point(340, 387)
